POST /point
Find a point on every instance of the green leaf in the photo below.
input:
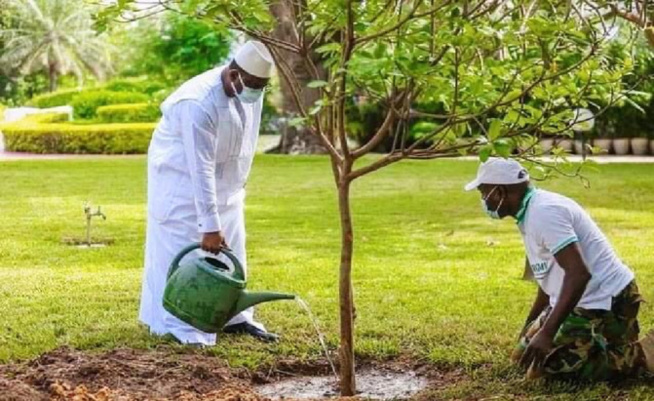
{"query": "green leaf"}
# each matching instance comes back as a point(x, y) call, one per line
point(635, 105)
point(329, 48)
point(297, 122)
point(512, 117)
point(595, 150)
point(494, 130)
point(502, 148)
point(317, 84)
point(380, 51)
point(463, 151)
point(261, 15)
point(485, 153)
point(513, 95)
point(315, 110)
point(460, 129)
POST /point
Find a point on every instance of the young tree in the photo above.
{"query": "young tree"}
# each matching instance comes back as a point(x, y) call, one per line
point(488, 77)
point(55, 36)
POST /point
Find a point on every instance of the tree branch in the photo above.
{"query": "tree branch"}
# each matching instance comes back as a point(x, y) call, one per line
point(407, 18)
point(269, 40)
point(384, 161)
point(342, 77)
point(631, 17)
point(381, 133)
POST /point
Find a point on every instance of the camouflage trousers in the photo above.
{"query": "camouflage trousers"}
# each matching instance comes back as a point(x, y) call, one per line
point(594, 344)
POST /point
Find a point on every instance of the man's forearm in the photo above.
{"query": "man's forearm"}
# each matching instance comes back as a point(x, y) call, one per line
point(574, 285)
point(540, 303)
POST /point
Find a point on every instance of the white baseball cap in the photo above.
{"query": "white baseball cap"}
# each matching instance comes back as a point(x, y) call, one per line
point(498, 171)
point(255, 59)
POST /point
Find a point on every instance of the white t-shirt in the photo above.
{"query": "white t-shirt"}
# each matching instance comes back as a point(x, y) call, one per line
point(549, 222)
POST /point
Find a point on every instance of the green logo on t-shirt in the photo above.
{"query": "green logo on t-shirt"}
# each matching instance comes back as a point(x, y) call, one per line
point(540, 269)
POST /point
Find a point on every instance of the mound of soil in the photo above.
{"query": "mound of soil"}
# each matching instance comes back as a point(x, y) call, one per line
point(124, 375)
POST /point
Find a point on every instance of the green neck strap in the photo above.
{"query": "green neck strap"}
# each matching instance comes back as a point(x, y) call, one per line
point(520, 216)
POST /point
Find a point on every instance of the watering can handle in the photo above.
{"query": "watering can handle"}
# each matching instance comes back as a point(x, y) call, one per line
point(238, 268)
point(174, 265)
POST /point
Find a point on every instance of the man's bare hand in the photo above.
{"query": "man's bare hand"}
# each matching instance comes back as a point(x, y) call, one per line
point(213, 242)
point(537, 350)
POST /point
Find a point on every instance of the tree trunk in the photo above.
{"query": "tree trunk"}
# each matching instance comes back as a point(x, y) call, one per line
point(649, 35)
point(295, 140)
point(52, 75)
point(348, 383)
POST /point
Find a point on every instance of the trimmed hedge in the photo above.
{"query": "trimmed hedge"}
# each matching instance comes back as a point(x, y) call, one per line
point(86, 104)
point(129, 113)
point(147, 86)
point(65, 96)
point(45, 118)
point(54, 99)
point(69, 138)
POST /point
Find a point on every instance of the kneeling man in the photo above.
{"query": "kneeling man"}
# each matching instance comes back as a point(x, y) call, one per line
point(584, 321)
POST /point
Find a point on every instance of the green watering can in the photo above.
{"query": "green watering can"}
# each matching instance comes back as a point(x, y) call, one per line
point(206, 293)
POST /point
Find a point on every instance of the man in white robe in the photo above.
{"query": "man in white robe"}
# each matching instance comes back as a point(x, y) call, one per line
point(199, 159)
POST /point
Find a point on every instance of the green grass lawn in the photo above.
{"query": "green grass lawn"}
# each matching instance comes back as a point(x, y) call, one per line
point(435, 279)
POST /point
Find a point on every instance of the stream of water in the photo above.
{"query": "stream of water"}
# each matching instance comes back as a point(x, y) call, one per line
point(321, 337)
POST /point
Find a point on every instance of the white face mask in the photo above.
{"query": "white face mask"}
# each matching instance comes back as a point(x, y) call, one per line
point(247, 95)
point(493, 214)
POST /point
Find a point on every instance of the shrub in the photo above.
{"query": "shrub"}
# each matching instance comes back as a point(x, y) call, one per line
point(146, 86)
point(86, 104)
point(54, 99)
point(159, 96)
point(45, 118)
point(129, 113)
point(66, 96)
point(421, 129)
point(69, 138)
point(626, 121)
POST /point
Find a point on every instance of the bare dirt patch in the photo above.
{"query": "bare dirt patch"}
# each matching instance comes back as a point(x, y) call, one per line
point(124, 374)
point(169, 373)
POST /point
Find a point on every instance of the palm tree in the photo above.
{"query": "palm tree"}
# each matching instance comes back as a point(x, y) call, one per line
point(55, 36)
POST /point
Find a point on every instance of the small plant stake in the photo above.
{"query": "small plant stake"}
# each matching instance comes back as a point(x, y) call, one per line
point(89, 216)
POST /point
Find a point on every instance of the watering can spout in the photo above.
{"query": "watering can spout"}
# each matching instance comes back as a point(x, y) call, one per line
point(248, 299)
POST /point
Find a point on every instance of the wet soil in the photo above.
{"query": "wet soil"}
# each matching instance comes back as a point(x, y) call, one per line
point(379, 384)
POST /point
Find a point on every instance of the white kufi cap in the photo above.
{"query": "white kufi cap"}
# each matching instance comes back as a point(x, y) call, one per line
point(498, 171)
point(255, 59)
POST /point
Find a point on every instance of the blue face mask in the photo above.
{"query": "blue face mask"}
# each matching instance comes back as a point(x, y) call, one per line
point(493, 214)
point(247, 95)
